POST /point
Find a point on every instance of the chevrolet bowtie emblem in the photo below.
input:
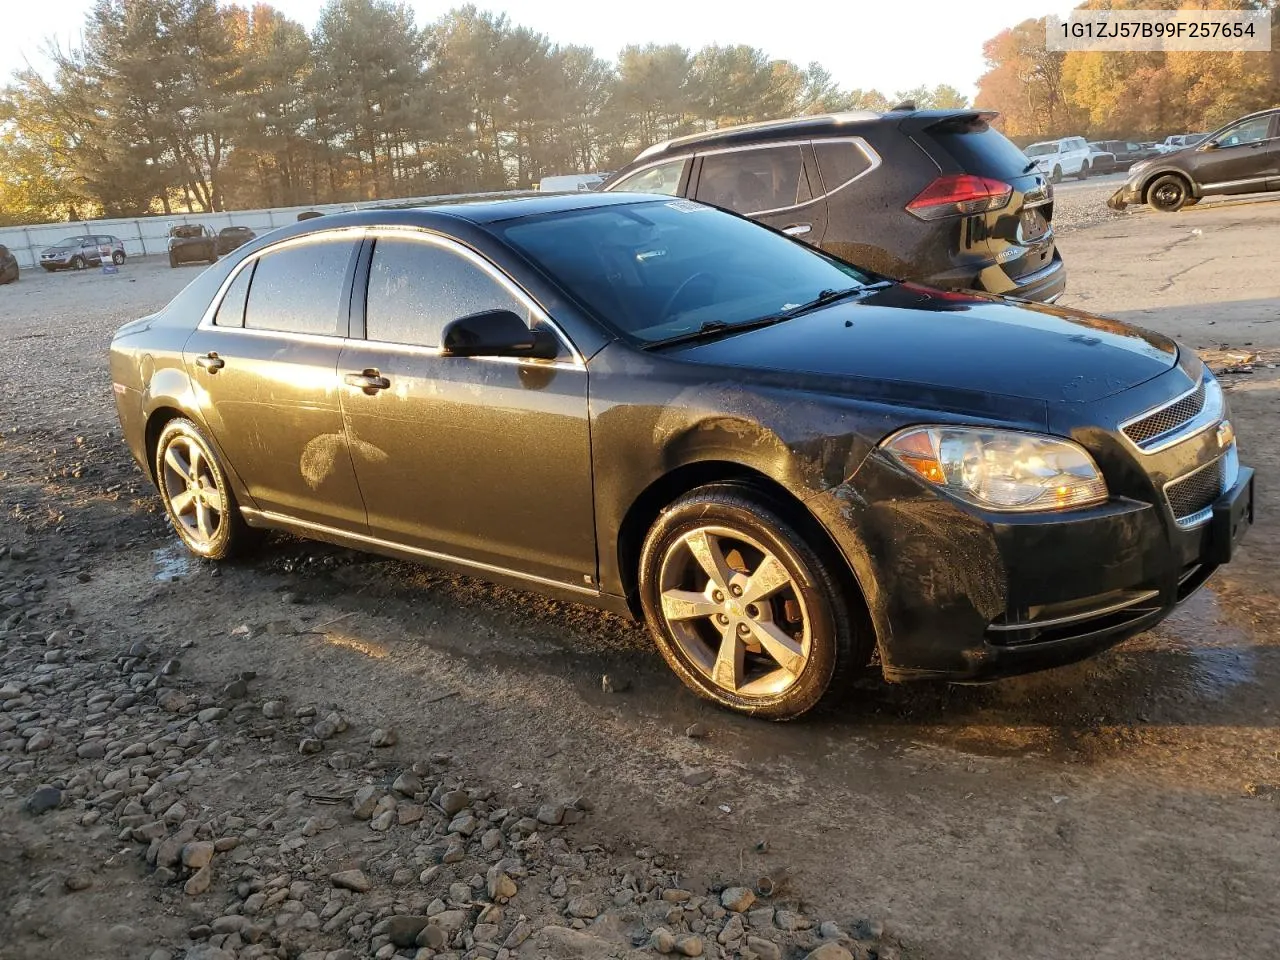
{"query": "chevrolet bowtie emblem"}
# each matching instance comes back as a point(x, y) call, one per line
point(1226, 434)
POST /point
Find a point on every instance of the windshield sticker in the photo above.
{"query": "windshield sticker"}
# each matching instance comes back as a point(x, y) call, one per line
point(687, 206)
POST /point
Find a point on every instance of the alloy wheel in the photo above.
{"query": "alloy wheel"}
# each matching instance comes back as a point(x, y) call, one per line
point(735, 611)
point(196, 500)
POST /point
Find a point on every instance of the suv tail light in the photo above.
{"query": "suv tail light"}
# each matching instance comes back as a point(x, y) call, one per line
point(960, 194)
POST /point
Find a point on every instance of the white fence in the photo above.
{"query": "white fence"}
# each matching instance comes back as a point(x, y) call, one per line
point(143, 236)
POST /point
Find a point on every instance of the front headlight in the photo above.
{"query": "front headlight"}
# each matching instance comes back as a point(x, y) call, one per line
point(1000, 469)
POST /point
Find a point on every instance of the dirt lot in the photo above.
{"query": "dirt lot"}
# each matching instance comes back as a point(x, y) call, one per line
point(321, 753)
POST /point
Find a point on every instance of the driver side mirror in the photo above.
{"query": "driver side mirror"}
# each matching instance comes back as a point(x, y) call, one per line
point(497, 333)
point(1210, 145)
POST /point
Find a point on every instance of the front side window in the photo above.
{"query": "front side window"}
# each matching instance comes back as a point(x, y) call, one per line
point(752, 181)
point(663, 178)
point(416, 288)
point(299, 289)
point(662, 268)
point(1251, 131)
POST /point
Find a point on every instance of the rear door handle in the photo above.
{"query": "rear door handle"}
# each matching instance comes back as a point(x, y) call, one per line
point(211, 362)
point(370, 381)
point(797, 229)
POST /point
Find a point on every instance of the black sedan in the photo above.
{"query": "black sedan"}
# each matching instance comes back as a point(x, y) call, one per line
point(1242, 157)
point(229, 238)
point(784, 464)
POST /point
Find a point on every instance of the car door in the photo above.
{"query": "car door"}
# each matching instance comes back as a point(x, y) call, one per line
point(1242, 159)
point(264, 363)
point(486, 461)
point(774, 184)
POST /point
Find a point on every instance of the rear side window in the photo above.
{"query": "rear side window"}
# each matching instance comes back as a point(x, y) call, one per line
point(753, 181)
point(231, 310)
point(839, 161)
point(299, 289)
point(979, 148)
point(416, 288)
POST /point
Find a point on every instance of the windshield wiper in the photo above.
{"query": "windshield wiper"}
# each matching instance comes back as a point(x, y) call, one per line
point(716, 328)
point(1029, 167)
point(823, 298)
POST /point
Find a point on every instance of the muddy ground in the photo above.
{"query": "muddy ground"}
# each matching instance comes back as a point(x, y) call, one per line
point(1124, 807)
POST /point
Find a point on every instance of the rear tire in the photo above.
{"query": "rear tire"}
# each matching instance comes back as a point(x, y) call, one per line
point(198, 500)
point(118, 257)
point(1168, 193)
point(173, 259)
point(745, 611)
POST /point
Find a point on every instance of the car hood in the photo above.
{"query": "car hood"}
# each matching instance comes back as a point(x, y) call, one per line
point(969, 342)
point(57, 250)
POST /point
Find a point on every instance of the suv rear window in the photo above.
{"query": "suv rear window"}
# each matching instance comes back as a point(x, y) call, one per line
point(839, 161)
point(979, 148)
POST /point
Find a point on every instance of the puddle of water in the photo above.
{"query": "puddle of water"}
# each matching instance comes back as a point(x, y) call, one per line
point(171, 563)
point(1221, 656)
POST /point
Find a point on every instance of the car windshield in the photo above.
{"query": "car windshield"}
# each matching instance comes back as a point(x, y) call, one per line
point(661, 269)
point(68, 242)
point(1041, 149)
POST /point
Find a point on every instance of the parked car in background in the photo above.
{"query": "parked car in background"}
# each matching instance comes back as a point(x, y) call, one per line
point(938, 196)
point(1180, 142)
point(1068, 157)
point(1128, 152)
point(192, 243)
point(1101, 160)
point(1242, 157)
point(8, 265)
point(79, 252)
point(231, 237)
point(572, 182)
point(786, 466)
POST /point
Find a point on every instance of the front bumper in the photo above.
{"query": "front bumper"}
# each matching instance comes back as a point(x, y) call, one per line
point(1130, 193)
point(967, 596)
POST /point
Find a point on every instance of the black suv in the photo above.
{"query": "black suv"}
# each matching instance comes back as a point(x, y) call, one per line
point(936, 196)
point(1127, 152)
point(1242, 157)
point(190, 242)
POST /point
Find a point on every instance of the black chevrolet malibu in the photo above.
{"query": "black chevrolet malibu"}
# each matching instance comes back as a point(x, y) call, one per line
point(785, 465)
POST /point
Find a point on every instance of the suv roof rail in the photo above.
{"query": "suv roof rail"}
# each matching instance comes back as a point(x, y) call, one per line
point(845, 116)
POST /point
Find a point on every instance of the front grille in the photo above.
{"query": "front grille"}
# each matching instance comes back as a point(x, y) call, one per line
point(1196, 491)
point(1167, 418)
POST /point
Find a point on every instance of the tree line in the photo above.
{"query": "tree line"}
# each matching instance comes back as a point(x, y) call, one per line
point(189, 105)
point(1042, 93)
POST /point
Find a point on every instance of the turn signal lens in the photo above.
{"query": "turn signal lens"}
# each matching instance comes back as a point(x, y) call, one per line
point(1000, 469)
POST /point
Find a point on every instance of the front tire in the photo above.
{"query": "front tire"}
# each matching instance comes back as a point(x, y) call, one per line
point(743, 608)
point(1168, 194)
point(198, 500)
point(1084, 171)
point(77, 262)
point(173, 259)
point(1056, 176)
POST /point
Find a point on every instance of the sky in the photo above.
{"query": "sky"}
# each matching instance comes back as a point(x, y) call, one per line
point(888, 45)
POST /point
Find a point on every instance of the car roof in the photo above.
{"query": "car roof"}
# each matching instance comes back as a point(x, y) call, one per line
point(815, 125)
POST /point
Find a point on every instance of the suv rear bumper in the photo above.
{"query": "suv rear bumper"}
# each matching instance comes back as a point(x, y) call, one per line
point(1045, 285)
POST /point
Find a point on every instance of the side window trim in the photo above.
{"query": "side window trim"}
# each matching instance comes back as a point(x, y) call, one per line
point(536, 313)
point(354, 234)
point(873, 162)
point(692, 192)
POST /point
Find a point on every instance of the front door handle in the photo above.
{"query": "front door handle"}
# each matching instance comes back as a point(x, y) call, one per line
point(797, 229)
point(370, 381)
point(211, 362)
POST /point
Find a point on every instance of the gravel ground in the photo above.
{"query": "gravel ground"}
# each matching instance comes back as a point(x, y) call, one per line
point(322, 754)
point(1083, 203)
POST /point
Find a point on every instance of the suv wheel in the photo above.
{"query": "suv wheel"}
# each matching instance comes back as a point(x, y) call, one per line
point(1168, 194)
point(742, 607)
point(118, 257)
point(1084, 171)
point(77, 262)
point(1056, 176)
point(173, 259)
